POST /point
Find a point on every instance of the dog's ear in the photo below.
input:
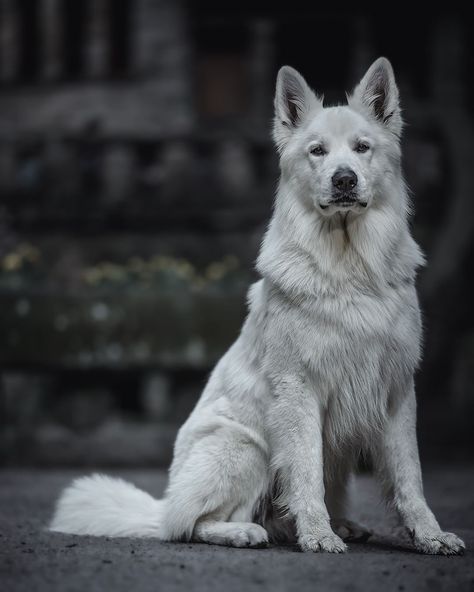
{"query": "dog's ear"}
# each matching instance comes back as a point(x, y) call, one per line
point(294, 100)
point(377, 94)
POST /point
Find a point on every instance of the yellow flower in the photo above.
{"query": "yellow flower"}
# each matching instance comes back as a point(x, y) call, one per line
point(215, 271)
point(12, 262)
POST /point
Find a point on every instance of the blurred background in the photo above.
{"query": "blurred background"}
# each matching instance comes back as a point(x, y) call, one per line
point(136, 180)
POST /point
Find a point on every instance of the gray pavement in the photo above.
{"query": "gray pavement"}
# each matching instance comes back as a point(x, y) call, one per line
point(35, 560)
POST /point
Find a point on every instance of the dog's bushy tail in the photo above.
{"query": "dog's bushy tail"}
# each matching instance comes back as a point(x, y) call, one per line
point(104, 506)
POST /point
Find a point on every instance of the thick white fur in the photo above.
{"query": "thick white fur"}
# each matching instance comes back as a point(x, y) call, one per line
point(323, 368)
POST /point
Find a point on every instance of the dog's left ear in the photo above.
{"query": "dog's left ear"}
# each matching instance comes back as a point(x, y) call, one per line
point(377, 94)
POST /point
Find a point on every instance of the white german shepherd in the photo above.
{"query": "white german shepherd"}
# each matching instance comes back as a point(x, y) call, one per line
point(322, 371)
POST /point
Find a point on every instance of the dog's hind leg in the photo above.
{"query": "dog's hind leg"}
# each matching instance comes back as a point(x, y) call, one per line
point(211, 498)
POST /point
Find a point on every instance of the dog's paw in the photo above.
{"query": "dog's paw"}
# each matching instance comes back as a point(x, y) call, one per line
point(437, 543)
point(325, 543)
point(231, 534)
point(351, 531)
point(247, 535)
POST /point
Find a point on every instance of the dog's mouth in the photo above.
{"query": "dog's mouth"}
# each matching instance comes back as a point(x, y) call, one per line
point(344, 200)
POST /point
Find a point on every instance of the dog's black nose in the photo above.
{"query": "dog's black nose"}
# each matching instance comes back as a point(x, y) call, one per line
point(344, 179)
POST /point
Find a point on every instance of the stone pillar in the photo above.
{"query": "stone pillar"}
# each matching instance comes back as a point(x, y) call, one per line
point(234, 168)
point(262, 66)
point(97, 39)
point(7, 168)
point(156, 397)
point(61, 170)
point(160, 38)
point(119, 172)
point(9, 40)
point(452, 117)
point(147, 35)
point(160, 57)
point(176, 161)
point(51, 39)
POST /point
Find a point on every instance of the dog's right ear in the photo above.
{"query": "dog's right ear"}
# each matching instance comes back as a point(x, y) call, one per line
point(294, 100)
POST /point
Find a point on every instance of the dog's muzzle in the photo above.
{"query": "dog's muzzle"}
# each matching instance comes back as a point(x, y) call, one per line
point(344, 190)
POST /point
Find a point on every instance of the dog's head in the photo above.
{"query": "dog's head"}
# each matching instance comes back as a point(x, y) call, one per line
point(341, 158)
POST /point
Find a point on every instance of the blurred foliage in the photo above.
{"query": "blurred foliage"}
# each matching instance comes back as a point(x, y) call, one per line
point(167, 272)
point(25, 263)
point(23, 256)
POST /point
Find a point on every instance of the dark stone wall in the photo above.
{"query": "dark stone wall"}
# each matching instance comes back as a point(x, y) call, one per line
point(136, 180)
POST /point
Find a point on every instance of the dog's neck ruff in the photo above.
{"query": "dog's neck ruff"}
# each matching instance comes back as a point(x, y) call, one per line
point(306, 254)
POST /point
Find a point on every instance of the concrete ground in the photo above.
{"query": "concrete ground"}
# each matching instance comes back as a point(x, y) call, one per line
point(35, 560)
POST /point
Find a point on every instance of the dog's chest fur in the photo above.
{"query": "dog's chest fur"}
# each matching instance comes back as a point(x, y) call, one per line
point(353, 337)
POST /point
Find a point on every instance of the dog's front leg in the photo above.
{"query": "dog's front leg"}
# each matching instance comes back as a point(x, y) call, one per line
point(397, 462)
point(295, 430)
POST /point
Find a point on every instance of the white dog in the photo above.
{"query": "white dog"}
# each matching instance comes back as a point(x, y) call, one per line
point(322, 371)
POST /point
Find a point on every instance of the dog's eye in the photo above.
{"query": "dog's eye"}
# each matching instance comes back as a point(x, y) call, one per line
point(318, 150)
point(362, 147)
